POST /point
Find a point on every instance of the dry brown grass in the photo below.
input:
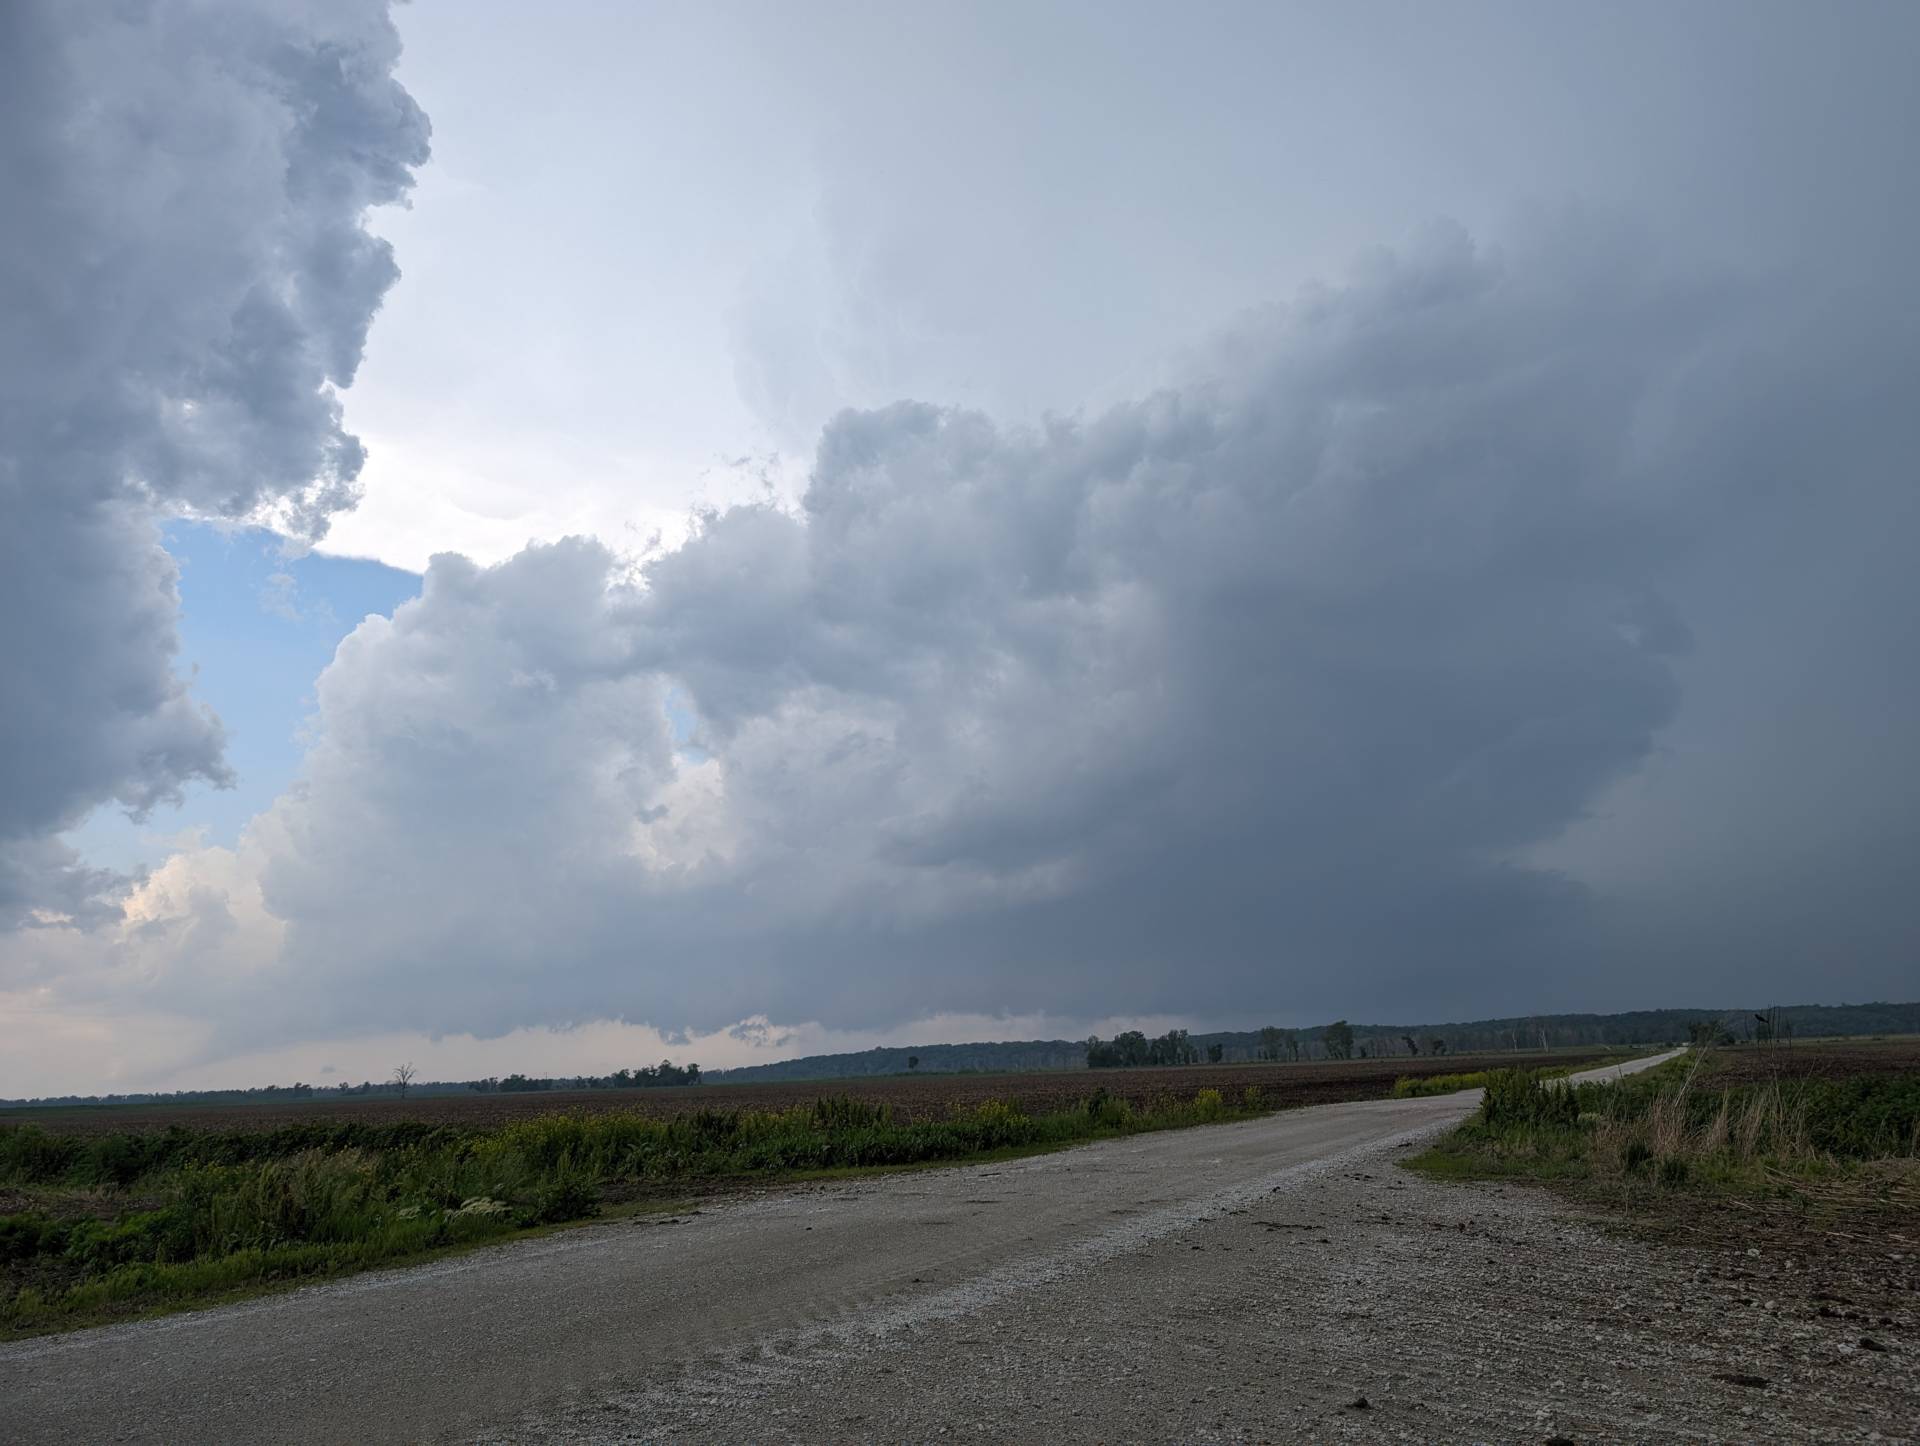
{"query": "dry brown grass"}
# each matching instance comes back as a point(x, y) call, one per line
point(1763, 1124)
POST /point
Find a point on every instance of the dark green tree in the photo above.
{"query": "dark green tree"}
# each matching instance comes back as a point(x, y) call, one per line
point(1339, 1040)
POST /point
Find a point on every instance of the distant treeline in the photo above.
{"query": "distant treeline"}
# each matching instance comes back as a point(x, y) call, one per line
point(1340, 1040)
point(1337, 1040)
point(651, 1076)
point(995, 1058)
point(1131, 1049)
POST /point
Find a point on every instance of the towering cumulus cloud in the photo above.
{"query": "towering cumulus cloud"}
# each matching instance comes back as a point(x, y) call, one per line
point(1249, 687)
point(1270, 691)
point(185, 277)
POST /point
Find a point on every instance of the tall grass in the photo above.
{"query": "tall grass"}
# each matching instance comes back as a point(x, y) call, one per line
point(1672, 1127)
point(127, 1222)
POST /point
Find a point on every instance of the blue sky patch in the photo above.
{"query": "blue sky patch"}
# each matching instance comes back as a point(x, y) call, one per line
point(256, 629)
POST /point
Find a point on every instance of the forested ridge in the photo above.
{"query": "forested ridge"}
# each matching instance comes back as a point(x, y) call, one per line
point(1638, 1026)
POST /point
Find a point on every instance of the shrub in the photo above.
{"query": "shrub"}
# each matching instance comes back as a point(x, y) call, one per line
point(24, 1236)
point(1865, 1117)
point(843, 1112)
point(1517, 1098)
point(998, 1124)
point(31, 1156)
point(1109, 1112)
point(569, 1197)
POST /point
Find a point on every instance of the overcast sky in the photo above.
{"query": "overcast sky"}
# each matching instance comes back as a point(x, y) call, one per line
point(539, 538)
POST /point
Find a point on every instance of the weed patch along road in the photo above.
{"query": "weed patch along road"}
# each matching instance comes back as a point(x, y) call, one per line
point(1151, 1284)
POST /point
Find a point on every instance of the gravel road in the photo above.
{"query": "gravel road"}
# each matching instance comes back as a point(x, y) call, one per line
point(1239, 1282)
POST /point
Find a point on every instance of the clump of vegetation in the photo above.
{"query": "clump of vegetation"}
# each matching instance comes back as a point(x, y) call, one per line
point(1675, 1129)
point(1130, 1049)
point(1418, 1086)
point(122, 1223)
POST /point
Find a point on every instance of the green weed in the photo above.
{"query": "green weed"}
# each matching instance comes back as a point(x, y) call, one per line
point(1418, 1086)
point(1670, 1129)
point(181, 1215)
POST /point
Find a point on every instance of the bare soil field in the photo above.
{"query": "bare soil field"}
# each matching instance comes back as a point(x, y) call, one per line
point(1814, 1059)
point(922, 1097)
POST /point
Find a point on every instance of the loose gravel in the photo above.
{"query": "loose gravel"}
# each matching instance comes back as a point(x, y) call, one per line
point(1352, 1302)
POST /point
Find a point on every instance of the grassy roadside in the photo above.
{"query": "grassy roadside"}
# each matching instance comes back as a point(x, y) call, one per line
point(1689, 1136)
point(116, 1226)
point(1419, 1086)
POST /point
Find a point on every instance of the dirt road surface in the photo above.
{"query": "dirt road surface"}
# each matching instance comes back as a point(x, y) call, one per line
point(1253, 1281)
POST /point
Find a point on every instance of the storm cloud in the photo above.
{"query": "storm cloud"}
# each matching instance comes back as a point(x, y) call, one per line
point(1521, 619)
point(186, 278)
point(1256, 692)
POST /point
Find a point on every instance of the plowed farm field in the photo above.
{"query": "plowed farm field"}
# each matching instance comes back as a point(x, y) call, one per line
point(932, 1096)
point(1812, 1059)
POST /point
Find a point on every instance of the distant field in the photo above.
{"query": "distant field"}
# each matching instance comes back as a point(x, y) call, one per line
point(927, 1097)
point(1822, 1059)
